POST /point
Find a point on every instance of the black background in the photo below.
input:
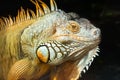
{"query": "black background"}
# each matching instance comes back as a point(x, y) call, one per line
point(104, 14)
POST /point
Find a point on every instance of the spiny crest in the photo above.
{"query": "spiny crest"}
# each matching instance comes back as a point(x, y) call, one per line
point(41, 10)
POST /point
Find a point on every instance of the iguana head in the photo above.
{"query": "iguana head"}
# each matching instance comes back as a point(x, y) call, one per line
point(33, 43)
point(56, 37)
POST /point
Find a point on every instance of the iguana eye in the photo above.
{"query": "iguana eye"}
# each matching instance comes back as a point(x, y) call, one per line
point(74, 26)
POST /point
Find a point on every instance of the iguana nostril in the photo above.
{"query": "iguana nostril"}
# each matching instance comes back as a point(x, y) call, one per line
point(96, 32)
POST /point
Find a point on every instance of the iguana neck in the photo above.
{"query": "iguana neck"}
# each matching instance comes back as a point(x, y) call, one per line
point(10, 50)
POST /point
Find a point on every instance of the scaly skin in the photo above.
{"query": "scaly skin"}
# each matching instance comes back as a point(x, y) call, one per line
point(51, 42)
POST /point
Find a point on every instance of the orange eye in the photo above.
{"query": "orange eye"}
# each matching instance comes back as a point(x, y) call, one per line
point(74, 26)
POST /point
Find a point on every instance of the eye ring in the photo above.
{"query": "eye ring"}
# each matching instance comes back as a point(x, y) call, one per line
point(73, 27)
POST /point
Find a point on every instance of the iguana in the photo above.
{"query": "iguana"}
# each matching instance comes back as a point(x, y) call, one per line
point(46, 42)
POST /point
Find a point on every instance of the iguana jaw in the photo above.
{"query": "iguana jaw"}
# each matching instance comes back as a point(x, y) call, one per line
point(67, 50)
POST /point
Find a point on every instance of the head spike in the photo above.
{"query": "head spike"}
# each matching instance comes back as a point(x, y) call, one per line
point(27, 14)
point(32, 13)
point(10, 21)
point(39, 11)
point(6, 20)
point(14, 19)
point(17, 20)
point(45, 7)
point(22, 14)
point(53, 5)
